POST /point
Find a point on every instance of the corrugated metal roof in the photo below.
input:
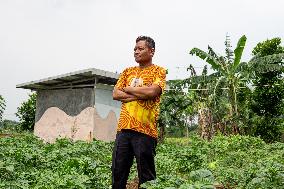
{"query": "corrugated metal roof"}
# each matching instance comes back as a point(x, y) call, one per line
point(81, 78)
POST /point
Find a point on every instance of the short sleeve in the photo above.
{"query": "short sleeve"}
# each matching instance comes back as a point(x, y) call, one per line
point(160, 79)
point(121, 83)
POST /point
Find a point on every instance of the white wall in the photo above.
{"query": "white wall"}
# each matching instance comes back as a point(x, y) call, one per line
point(104, 102)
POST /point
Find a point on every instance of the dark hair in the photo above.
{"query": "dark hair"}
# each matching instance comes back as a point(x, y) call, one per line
point(149, 41)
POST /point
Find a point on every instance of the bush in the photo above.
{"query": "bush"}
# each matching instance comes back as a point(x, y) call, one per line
point(9, 126)
point(26, 113)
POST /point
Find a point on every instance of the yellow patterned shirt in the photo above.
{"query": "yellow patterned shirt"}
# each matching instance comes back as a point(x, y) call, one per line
point(141, 115)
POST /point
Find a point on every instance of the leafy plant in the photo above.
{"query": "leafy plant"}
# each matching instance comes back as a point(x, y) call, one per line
point(229, 162)
point(26, 112)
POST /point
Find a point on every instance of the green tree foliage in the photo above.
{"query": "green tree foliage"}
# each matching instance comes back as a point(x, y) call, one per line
point(267, 98)
point(26, 113)
point(2, 107)
point(268, 47)
point(9, 126)
point(175, 114)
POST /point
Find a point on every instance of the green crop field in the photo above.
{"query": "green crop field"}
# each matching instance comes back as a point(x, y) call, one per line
point(225, 162)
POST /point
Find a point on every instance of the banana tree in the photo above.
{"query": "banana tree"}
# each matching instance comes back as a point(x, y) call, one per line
point(199, 87)
point(227, 71)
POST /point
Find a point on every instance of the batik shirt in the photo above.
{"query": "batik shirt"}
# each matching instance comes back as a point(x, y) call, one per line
point(141, 115)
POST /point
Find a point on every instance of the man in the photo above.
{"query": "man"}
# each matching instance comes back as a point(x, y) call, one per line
point(139, 89)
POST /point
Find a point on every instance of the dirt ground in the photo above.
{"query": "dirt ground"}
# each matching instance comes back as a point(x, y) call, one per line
point(132, 184)
point(5, 135)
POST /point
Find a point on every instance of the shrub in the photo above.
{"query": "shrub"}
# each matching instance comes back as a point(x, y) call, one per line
point(26, 113)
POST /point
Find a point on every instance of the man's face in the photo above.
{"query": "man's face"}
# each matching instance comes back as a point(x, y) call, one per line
point(142, 53)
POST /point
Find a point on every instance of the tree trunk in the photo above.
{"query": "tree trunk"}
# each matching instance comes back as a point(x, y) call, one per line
point(205, 123)
point(234, 106)
point(187, 132)
point(162, 132)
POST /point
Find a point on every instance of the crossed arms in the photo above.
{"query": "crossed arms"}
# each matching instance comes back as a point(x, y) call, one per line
point(129, 93)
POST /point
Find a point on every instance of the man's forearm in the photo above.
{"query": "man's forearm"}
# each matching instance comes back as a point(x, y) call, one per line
point(145, 92)
point(128, 99)
point(123, 96)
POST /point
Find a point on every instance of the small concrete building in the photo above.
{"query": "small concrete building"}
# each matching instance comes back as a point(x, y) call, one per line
point(76, 105)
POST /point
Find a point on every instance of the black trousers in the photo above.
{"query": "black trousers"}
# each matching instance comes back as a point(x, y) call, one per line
point(130, 144)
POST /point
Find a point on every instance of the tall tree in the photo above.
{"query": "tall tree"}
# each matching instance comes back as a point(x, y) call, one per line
point(268, 95)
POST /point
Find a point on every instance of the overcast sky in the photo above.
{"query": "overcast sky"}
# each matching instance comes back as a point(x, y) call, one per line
point(43, 38)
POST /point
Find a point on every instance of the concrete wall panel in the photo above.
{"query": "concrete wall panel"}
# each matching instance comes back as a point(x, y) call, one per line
point(71, 101)
point(78, 114)
point(55, 123)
